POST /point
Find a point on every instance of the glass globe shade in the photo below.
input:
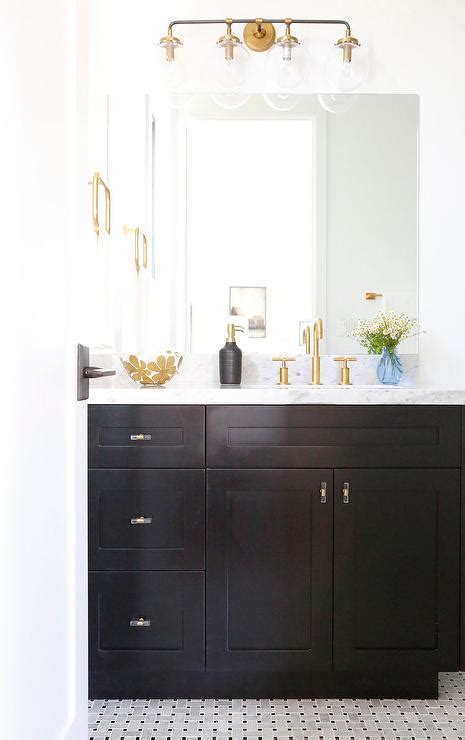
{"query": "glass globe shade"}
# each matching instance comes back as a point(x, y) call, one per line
point(230, 74)
point(344, 76)
point(336, 102)
point(285, 67)
point(172, 67)
point(230, 100)
point(282, 101)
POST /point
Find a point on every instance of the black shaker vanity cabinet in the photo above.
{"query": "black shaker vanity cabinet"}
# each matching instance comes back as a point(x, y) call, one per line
point(316, 552)
point(269, 577)
point(396, 569)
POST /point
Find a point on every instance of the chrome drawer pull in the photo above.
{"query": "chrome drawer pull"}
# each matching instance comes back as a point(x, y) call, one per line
point(140, 437)
point(139, 622)
point(323, 492)
point(141, 520)
point(345, 493)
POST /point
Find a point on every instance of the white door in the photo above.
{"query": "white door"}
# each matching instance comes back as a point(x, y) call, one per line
point(43, 564)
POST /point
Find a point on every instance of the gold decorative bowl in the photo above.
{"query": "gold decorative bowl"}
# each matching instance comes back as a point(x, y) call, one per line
point(154, 372)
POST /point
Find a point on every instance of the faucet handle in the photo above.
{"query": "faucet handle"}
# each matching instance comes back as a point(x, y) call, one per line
point(283, 370)
point(345, 369)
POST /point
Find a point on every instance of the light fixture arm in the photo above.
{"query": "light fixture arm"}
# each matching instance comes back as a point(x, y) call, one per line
point(304, 21)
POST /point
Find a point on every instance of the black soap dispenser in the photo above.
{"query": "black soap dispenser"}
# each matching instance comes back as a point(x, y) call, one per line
point(231, 358)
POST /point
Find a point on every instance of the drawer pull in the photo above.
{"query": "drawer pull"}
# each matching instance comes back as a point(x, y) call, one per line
point(345, 493)
point(323, 492)
point(141, 520)
point(139, 622)
point(140, 437)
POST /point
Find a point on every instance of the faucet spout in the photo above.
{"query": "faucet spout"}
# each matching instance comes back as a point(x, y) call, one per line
point(316, 362)
point(306, 338)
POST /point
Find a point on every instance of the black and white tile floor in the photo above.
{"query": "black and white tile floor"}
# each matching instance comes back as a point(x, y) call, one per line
point(281, 719)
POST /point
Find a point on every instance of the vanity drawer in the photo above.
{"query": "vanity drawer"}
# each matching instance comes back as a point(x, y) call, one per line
point(333, 436)
point(135, 436)
point(148, 621)
point(146, 519)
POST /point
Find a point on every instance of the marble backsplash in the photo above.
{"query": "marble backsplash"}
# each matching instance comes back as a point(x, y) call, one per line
point(257, 369)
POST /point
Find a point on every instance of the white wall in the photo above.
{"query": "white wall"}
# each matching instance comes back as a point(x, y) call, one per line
point(414, 48)
point(42, 497)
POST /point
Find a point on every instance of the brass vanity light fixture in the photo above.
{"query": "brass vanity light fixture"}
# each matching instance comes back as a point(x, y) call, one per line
point(96, 181)
point(259, 35)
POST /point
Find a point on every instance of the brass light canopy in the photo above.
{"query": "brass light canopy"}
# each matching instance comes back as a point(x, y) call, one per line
point(259, 35)
point(170, 43)
point(347, 43)
point(229, 41)
point(288, 41)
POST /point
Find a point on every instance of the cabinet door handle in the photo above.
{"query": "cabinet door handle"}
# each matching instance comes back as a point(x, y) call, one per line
point(96, 181)
point(139, 622)
point(140, 437)
point(145, 250)
point(346, 493)
point(323, 492)
point(136, 231)
point(141, 520)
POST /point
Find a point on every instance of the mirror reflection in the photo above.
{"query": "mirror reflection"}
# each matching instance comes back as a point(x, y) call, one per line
point(283, 217)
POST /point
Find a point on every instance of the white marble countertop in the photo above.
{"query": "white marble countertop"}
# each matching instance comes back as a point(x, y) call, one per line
point(292, 394)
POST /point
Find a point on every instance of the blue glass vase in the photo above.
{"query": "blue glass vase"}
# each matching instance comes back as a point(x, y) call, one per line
point(389, 370)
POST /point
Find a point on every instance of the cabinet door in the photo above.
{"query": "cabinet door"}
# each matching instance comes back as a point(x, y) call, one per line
point(396, 570)
point(269, 581)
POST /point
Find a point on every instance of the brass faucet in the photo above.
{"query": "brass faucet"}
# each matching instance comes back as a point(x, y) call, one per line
point(317, 335)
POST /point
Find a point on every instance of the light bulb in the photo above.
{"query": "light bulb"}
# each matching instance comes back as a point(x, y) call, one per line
point(282, 101)
point(230, 67)
point(346, 66)
point(285, 64)
point(173, 81)
point(171, 64)
point(336, 103)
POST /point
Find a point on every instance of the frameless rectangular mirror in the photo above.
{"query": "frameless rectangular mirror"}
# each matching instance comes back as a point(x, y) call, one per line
point(283, 217)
